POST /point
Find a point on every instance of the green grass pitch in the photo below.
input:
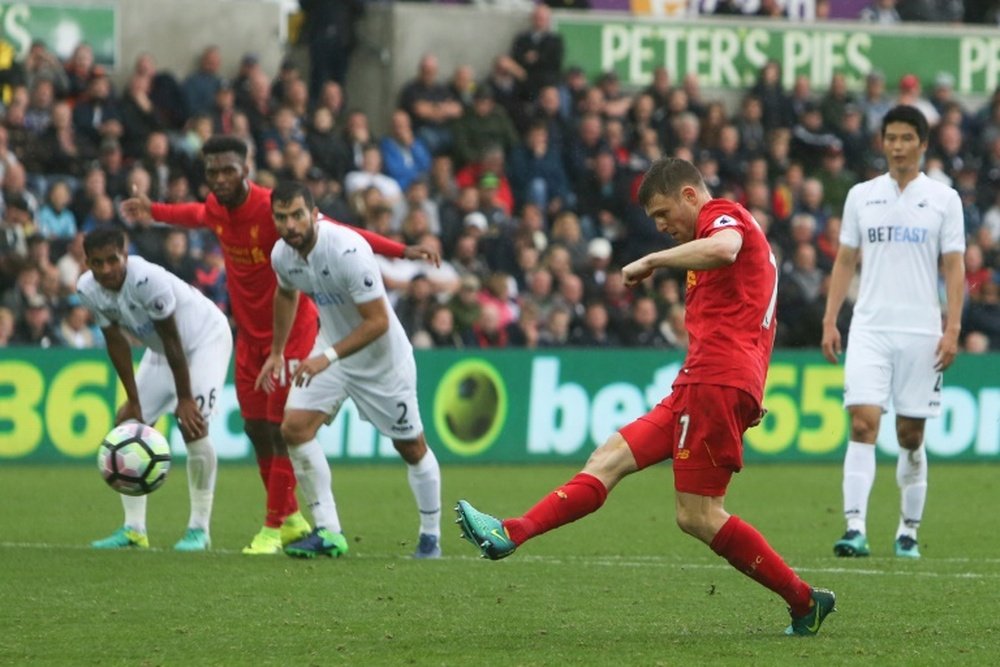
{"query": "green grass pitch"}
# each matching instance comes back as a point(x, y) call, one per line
point(622, 587)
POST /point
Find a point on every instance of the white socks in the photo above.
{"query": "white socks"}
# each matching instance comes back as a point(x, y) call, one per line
point(425, 482)
point(312, 471)
point(859, 475)
point(135, 512)
point(911, 475)
point(201, 469)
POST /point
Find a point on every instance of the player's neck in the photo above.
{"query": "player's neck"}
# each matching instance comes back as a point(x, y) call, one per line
point(244, 195)
point(306, 249)
point(903, 177)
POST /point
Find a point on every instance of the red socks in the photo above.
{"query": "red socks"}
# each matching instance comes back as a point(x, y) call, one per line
point(279, 481)
point(574, 500)
point(747, 550)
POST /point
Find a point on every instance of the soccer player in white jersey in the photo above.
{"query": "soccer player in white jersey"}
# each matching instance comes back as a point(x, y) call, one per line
point(900, 223)
point(188, 345)
point(361, 352)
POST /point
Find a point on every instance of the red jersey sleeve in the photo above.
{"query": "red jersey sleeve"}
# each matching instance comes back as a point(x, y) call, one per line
point(380, 244)
point(184, 215)
point(720, 214)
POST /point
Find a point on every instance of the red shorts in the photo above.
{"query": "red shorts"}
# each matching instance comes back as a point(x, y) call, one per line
point(700, 427)
point(256, 404)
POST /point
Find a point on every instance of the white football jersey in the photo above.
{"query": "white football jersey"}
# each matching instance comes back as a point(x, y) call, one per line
point(151, 293)
point(339, 273)
point(901, 236)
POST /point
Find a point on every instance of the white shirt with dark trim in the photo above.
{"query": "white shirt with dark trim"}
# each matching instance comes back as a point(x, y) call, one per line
point(901, 236)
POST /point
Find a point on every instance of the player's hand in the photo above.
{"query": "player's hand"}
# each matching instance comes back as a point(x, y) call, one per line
point(636, 272)
point(422, 252)
point(190, 420)
point(137, 209)
point(947, 350)
point(831, 344)
point(272, 373)
point(308, 369)
point(128, 410)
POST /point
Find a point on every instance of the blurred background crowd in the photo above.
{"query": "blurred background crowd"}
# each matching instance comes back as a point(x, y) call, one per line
point(524, 177)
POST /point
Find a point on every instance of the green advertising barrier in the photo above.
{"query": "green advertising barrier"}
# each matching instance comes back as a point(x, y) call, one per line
point(729, 54)
point(504, 407)
point(62, 25)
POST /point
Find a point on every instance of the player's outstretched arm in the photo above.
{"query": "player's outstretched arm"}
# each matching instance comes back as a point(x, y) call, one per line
point(844, 267)
point(120, 354)
point(140, 209)
point(712, 252)
point(189, 418)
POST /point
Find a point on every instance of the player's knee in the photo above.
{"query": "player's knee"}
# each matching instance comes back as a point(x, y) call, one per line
point(909, 437)
point(863, 428)
point(691, 521)
point(295, 432)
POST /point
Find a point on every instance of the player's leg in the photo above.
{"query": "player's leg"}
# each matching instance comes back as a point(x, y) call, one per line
point(156, 389)
point(867, 384)
point(911, 476)
point(264, 433)
point(917, 397)
point(642, 443)
point(424, 475)
point(208, 365)
point(312, 471)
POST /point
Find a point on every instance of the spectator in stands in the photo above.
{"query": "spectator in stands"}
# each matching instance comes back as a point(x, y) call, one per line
point(42, 63)
point(139, 118)
point(880, 11)
point(38, 115)
point(16, 192)
point(164, 92)
point(405, 156)
point(464, 305)
point(35, 328)
point(55, 219)
point(910, 95)
point(326, 145)
point(536, 55)
point(441, 327)
point(485, 125)
point(75, 330)
point(80, 68)
point(594, 330)
point(201, 85)
point(330, 28)
point(431, 105)
point(982, 314)
point(811, 138)
point(642, 329)
point(96, 115)
point(370, 175)
point(556, 331)
point(537, 174)
point(60, 150)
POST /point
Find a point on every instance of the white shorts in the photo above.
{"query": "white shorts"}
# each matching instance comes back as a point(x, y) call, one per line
point(389, 403)
point(207, 368)
point(883, 365)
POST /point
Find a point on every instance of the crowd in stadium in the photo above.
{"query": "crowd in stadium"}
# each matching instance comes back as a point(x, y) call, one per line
point(524, 176)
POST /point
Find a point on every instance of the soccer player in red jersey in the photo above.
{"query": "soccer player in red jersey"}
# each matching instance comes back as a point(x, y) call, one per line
point(731, 292)
point(239, 212)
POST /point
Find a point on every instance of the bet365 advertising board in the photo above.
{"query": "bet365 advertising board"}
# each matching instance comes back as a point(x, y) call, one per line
point(502, 407)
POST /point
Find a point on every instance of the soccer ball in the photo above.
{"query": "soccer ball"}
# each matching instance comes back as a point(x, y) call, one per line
point(134, 459)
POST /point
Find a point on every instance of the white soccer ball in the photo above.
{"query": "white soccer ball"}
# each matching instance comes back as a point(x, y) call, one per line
point(134, 459)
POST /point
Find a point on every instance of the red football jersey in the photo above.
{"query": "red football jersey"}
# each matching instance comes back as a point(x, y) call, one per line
point(246, 235)
point(730, 311)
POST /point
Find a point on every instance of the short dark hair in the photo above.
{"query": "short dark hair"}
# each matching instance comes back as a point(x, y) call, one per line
point(286, 191)
point(225, 144)
point(912, 116)
point(666, 177)
point(103, 236)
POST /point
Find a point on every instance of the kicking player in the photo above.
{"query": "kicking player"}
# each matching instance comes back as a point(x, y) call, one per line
point(188, 347)
point(903, 223)
point(732, 286)
point(239, 212)
point(361, 353)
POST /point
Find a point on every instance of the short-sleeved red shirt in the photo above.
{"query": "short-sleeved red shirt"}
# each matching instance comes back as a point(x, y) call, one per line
point(730, 310)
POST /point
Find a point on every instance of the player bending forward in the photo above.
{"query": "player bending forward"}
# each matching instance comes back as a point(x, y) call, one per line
point(731, 291)
point(361, 352)
point(188, 346)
